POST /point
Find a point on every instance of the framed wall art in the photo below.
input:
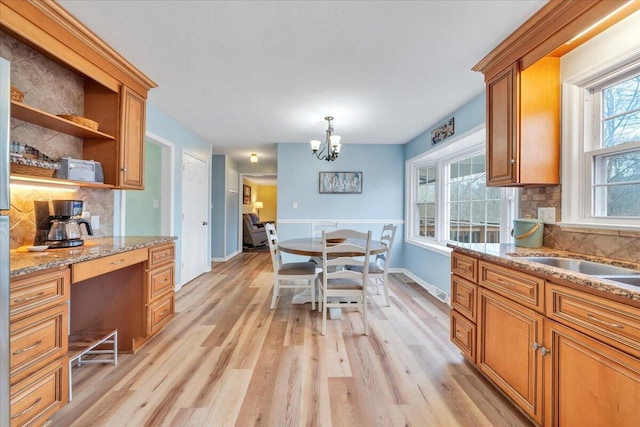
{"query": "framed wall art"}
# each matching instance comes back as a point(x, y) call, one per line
point(340, 182)
point(246, 194)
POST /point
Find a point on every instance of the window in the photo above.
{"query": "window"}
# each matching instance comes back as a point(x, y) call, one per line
point(474, 209)
point(448, 199)
point(601, 131)
point(602, 156)
point(616, 156)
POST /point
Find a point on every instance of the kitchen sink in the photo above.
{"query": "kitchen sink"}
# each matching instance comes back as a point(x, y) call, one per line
point(585, 267)
point(629, 280)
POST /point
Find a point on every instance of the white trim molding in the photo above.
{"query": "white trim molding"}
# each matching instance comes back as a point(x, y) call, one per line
point(437, 293)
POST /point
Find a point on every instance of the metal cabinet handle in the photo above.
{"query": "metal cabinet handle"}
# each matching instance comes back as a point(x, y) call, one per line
point(31, 347)
point(460, 296)
point(33, 405)
point(120, 261)
point(535, 346)
point(512, 161)
point(613, 325)
point(39, 294)
point(544, 351)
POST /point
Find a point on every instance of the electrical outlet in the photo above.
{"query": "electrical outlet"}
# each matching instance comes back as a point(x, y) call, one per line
point(547, 215)
point(95, 222)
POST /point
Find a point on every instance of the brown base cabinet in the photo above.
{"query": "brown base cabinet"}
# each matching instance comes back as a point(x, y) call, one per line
point(506, 354)
point(565, 357)
point(589, 383)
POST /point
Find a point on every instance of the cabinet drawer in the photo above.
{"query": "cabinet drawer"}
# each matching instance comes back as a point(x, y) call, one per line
point(39, 396)
point(463, 335)
point(35, 293)
point(38, 340)
point(520, 287)
point(464, 297)
point(610, 321)
point(159, 255)
point(88, 269)
point(160, 312)
point(464, 266)
point(159, 281)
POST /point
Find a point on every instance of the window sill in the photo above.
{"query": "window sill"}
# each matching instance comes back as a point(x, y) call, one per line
point(436, 247)
point(604, 229)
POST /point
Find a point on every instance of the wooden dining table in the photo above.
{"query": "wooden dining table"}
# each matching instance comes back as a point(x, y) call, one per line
point(312, 247)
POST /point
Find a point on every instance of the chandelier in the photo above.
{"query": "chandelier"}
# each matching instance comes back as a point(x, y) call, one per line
point(331, 147)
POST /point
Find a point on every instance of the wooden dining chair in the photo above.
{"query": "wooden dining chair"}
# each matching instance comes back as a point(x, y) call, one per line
point(379, 267)
point(290, 274)
point(340, 286)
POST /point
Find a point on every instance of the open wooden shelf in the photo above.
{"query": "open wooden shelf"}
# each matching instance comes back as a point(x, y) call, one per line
point(26, 179)
point(42, 118)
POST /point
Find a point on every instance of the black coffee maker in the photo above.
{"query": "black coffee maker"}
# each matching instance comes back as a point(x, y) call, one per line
point(58, 225)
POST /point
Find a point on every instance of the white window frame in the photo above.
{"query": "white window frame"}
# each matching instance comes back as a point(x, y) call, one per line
point(580, 121)
point(469, 144)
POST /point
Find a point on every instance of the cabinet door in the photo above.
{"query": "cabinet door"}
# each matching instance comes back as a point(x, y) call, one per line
point(502, 130)
point(588, 383)
point(132, 131)
point(506, 334)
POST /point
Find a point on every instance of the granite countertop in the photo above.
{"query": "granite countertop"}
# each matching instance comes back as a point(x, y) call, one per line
point(22, 262)
point(511, 256)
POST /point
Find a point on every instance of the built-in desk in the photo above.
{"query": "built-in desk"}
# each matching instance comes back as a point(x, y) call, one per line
point(123, 283)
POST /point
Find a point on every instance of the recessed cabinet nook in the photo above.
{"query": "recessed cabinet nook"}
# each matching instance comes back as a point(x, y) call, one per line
point(563, 354)
point(115, 92)
point(522, 78)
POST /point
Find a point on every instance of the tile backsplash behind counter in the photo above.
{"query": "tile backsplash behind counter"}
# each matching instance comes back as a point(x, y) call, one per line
point(50, 87)
point(616, 244)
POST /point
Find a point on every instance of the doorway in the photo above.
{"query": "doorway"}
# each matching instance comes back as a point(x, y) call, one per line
point(261, 198)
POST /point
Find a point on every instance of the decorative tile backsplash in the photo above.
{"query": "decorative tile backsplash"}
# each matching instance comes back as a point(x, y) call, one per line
point(22, 221)
point(614, 244)
point(50, 87)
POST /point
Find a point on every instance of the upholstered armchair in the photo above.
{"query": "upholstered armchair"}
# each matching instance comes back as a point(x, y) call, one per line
point(253, 232)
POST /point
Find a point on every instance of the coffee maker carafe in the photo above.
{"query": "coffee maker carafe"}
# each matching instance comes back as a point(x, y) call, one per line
point(61, 228)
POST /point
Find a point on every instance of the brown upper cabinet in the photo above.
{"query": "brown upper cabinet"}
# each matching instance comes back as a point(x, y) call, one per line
point(522, 78)
point(115, 91)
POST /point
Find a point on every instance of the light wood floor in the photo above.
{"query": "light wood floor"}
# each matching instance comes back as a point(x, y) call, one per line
point(227, 359)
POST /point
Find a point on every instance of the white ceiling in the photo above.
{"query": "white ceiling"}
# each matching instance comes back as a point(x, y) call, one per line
point(244, 75)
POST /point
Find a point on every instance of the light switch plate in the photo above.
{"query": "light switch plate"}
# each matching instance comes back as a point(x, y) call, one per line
point(547, 215)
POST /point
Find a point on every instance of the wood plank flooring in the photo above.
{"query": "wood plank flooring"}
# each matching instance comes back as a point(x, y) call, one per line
point(227, 359)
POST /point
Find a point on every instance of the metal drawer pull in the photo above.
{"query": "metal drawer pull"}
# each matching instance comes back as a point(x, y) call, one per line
point(613, 325)
point(31, 347)
point(544, 351)
point(120, 261)
point(164, 312)
point(535, 346)
point(460, 296)
point(38, 295)
point(33, 405)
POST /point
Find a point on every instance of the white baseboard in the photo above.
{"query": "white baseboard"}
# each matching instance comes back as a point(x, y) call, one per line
point(438, 293)
point(227, 258)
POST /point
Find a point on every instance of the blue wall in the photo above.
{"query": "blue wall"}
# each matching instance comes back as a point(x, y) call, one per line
point(381, 200)
point(218, 189)
point(429, 266)
point(167, 128)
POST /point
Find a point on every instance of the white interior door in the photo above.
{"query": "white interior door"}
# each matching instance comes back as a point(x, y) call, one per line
point(195, 217)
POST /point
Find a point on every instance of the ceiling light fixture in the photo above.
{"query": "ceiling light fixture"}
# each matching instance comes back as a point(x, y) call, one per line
point(254, 158)
point(330, 151)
